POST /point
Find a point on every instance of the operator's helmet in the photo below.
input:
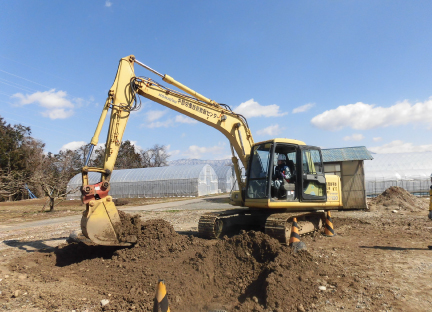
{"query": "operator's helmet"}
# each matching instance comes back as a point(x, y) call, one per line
point(283, 157)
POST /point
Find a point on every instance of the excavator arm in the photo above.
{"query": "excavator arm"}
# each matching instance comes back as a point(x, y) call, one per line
point(100, 221)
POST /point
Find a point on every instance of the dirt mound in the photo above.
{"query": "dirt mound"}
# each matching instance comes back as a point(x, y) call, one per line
point(120, 202)
point(397, 198)
point(151, 233)
point(247, 272)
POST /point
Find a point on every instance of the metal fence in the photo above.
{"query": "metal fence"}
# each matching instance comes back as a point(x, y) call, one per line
point(416, 186)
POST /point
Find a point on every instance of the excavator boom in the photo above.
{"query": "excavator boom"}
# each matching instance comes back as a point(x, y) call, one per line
point(101, 218)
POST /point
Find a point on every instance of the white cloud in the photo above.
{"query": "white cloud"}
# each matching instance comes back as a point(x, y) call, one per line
point(172, 152)
point(108, 3)
point(271, 130)
point(354, 137)
point(58, 113)
point(196, 152)
point(155, 115)
point(47, 99)
point(377, 139)
point(399, 146)
point(73, 145)
point(55, 103)
point(361, 116)
point(251, 108)
point(303, 108)
point(185, 119)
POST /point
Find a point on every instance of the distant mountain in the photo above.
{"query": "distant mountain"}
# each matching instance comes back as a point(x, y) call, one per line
point(180, 162)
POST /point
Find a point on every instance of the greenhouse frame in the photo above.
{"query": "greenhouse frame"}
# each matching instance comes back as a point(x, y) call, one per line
point(170, 181)
point(226, 178)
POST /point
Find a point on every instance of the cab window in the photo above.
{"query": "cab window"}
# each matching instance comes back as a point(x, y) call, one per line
point(258, 171)
point(313, 181)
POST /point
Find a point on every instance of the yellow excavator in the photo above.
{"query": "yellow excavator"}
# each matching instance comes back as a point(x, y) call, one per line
point(263, 203)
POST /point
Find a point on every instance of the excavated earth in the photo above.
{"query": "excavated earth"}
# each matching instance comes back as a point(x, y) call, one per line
point(247, 272)
point(379, 261)
point(397, 198)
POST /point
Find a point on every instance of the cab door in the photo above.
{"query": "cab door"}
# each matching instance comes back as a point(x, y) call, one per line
point(313, 183)
point(258, 172)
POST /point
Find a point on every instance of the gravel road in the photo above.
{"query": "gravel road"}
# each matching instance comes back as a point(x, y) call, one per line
point(30, 236)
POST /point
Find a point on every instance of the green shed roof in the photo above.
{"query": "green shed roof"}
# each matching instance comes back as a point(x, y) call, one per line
point(346, 154)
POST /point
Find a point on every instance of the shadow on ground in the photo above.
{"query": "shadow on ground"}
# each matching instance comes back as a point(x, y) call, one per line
point(78, 252)
point(219, 200)
point(32, 246)
point(393, 248)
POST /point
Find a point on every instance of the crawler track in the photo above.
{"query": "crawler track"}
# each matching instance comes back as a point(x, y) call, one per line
point(277, 225)
point(208, 226)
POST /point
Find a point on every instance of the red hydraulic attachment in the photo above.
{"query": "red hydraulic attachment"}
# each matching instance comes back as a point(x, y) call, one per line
point(95, 191)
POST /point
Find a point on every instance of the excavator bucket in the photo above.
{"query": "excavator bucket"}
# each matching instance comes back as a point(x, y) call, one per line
point(99, 223)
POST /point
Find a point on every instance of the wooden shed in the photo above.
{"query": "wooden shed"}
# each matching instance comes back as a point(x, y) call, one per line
point(348, 164)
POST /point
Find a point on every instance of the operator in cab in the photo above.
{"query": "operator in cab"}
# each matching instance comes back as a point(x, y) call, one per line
point(282, 171)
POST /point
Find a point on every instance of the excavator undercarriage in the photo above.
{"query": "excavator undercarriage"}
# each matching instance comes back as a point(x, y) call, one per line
point(277, 225)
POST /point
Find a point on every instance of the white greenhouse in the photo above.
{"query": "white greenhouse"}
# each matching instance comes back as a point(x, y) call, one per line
point(226, 178)
point(410, 171)
point(170, 181)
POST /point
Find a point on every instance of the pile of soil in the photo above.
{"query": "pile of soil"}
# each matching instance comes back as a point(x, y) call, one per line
point(247, 272)
point(397, 198)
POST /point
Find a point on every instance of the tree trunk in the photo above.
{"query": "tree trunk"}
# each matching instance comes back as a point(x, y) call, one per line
point(51, 204)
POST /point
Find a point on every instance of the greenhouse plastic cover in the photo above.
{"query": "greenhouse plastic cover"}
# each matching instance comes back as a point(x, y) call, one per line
point(400, 166)
point(226, 178)
point(187, 180)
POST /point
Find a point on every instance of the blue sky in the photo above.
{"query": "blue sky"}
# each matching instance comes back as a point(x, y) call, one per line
point(329, 73)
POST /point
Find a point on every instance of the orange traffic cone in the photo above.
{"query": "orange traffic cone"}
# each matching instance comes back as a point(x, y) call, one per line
point(161, 298)
point(329, 231)
point(295, 236)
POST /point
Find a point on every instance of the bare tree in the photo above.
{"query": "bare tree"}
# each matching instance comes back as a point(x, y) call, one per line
point(57, 170)
point(54, 193)
point(36, 164)
point(157, 156)
point(12, 182)
point(23, 163)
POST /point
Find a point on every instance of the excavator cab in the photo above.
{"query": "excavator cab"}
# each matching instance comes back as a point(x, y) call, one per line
point(304, 180)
